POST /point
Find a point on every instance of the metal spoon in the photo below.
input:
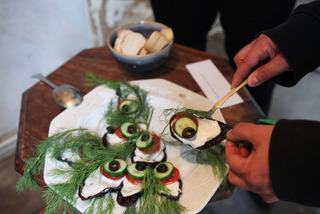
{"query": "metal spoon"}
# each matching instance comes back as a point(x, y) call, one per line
point(65, 95)
point(226, 97)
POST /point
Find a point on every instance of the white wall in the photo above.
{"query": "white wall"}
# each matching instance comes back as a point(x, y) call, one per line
point(39, 36)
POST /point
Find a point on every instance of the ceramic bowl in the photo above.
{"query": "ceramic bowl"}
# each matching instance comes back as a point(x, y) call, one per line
point(144, 63)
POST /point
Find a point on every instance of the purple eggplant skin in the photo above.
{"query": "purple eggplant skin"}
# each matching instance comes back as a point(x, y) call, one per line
point(102, 193)
point(215, 141)
point(128, 200)
point(65, 160)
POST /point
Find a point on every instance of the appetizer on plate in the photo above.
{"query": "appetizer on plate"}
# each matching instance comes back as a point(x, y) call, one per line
point(149, 148)
point(107, 178)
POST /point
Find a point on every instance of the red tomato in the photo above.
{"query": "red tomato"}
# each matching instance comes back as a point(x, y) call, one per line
point(133, 181)
point(103, 172)
point(120, 103)
point(183, 114)
point(118, 133)
point(155, 147)
point(175, 177)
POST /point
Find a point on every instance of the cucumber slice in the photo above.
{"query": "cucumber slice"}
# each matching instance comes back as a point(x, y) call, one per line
point(144, 141)
point(116, 167)
point(128, 106)
point(137, 172)
point(185, 127)
point(128, 129)
point(163, 170)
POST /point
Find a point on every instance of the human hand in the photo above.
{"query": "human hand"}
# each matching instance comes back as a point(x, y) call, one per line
point(260, 49)
point(250, 169)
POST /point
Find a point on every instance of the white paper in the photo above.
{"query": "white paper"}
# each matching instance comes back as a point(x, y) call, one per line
point(212, 82)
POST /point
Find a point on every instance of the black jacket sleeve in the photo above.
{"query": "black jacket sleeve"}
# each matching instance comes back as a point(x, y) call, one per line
point(294, 154)
point(294, 161)
point(299, 40)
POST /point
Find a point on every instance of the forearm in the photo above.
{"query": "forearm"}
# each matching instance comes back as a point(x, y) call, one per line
point(294, 161)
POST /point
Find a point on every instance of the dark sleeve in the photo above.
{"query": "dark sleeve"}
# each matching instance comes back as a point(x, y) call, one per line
point(294, 161)
point(299, 40)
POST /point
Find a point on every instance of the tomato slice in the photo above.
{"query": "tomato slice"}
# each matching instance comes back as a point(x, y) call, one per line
point(155, 145)
point(120, 103)
point(133, 181)
point(175, 177)
point(118, 133)
point(183, 114)
point(103, 172)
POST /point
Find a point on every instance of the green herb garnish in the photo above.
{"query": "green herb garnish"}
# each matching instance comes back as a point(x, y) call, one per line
point(213, 156)
point(93, 80)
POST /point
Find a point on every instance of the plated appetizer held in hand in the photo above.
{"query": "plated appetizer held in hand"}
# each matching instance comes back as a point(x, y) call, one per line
point(198, 132)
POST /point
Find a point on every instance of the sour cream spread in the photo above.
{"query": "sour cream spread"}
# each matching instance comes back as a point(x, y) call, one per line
point(156, 157)
point(207, 130)
point(96, 182)
point(129, 189)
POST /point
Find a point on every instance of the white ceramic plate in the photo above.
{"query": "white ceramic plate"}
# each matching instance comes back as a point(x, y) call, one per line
point(199, 182)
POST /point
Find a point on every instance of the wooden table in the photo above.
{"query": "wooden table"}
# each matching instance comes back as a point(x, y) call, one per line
point(38, 107)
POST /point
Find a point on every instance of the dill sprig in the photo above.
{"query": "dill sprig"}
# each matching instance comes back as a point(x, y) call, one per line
point(169, 206)
point(169, 141)
point(115, 118)
point(197, 113)
point(101, 205)
point(213, 156)
point(123, 90)
point(151, 187)
point(74, 140)
point(27, 181)
point(93, 80)
point(58, 199)
point(34, 166)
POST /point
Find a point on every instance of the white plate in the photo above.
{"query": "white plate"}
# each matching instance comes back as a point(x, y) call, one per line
point(199, 182)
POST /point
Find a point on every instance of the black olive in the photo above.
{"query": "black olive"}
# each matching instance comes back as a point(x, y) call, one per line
point(188, 132)
point(140, 166)
point(110, 130)
point(125, 108)
point(114, 165)
point(132, 129)
point(162, 168)
point(145, 137)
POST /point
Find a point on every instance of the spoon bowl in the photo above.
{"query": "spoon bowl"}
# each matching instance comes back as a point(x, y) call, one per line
point(65, 95)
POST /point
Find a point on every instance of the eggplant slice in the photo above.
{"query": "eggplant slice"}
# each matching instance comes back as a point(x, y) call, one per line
point(202, 139)
point(97, 185)
point(177, 196)
point(128, 200)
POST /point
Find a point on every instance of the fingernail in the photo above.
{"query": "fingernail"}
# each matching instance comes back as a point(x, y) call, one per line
point(253, 81)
